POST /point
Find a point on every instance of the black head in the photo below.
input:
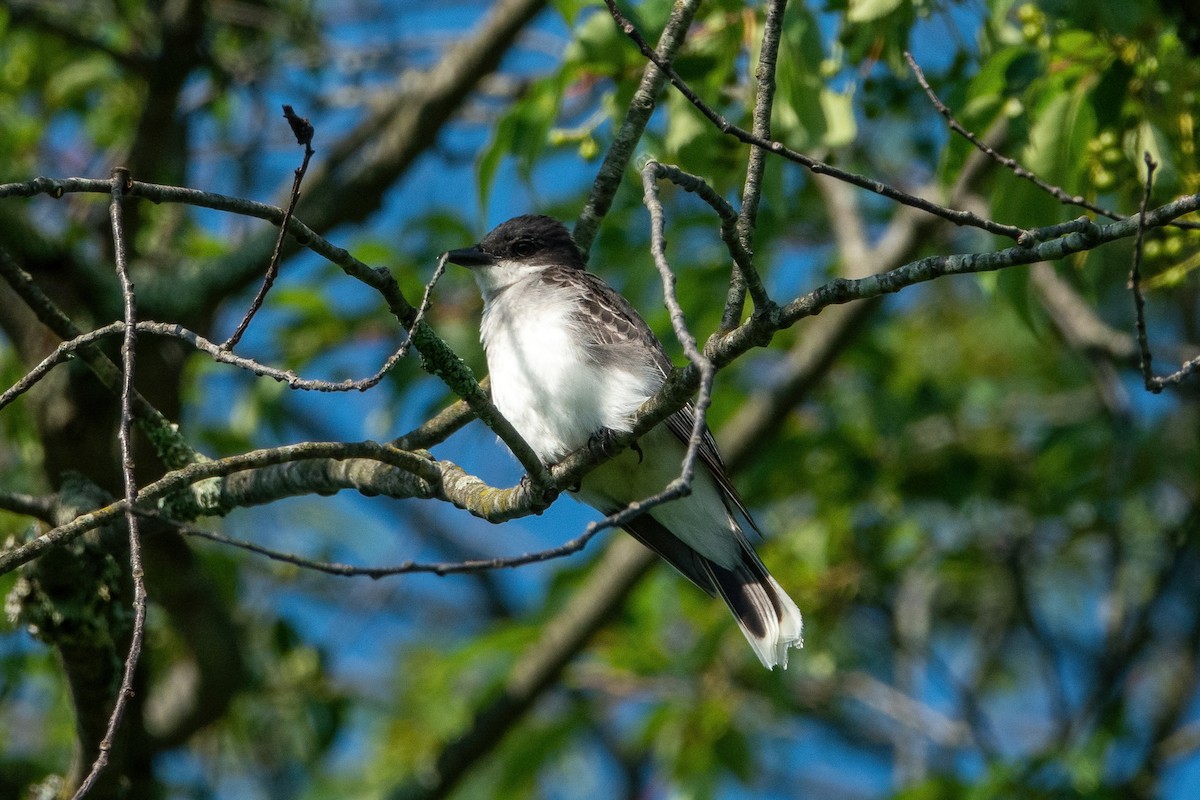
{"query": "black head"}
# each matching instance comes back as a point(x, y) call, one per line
point(530, 239)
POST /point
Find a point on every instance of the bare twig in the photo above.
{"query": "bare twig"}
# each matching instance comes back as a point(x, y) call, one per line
point(1153, 383)
point(407, 567)
point(1056, 192)
point(1185, 370)
point(1135, 286)
point(437, 357)
point(730, 221)
point(67, 349)
point(744, 278)
point(303, 130)
point(61, 354)
point(641, 107)
point(160, 193)
point(1084, 236)
point(440, 426)
point(726, 127)
point(682, 334)
point(120, 180)
point(168, 442)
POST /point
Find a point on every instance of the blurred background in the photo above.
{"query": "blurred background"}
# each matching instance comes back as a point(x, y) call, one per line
point(992, 529)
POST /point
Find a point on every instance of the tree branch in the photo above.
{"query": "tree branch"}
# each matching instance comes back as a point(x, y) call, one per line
point(477, 497)
point(354, 179)
point(436, 356)
point(303, 130)
point(637, 115)
point(818, 167)
point(1153, 383)
point(120, 180)
point(745, 277)
point(168, 443)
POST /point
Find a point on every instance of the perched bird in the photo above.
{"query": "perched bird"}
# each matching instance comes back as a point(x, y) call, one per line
point(569, 358)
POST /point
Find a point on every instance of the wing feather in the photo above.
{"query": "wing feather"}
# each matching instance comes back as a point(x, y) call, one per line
point(616, 332)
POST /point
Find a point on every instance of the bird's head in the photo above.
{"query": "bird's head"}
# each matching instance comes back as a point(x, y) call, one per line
point(516, 249)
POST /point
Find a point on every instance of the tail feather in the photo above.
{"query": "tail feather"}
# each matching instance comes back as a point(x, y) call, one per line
point(769, 619)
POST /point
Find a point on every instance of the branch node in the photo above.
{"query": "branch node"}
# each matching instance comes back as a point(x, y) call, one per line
point(118, 173)
point(303, 130)
point(301, 127)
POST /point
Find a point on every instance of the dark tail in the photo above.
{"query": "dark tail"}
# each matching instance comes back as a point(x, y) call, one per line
point(768, 618)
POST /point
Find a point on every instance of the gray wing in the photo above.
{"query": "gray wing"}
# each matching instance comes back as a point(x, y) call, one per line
point(617, 333)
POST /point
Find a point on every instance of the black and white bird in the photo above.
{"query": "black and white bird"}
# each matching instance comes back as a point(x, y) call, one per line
point(569, 357)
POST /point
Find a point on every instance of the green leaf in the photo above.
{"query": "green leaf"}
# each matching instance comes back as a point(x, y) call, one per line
point(70, 85)
point(569, 9)
point(868, 10)
point(1148, 139)
point(841, 128)
point(600, 47)
point(799, 117)
point(685, 129)
point(522, 133)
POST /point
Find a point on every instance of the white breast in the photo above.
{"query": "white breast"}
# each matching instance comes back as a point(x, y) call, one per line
point(543, 380)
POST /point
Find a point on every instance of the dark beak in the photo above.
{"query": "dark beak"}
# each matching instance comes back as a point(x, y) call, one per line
point(470, 257)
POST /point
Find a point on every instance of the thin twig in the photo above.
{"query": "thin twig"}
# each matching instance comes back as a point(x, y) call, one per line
point(1135, 285)
point(1057, 192)
point(1153, 383)
point(764, 100)
point(1187, 369)
point(407, 567)
point(380, 280)
point(426, 297)
point(726, 127)
point(1017, 169)
point(439, 427)
point(169, 444)
point(120, 180)
point(66, 350)
point(637, 115)
point(682, 485)
point(1088, 236)
point(61, 354)
point(730, 219)
point(303, 131)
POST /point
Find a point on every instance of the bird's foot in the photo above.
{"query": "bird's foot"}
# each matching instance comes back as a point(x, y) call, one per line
point(544, 495)
point(606, 440)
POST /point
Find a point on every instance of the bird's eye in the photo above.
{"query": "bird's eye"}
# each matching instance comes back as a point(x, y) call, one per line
point(524, 248)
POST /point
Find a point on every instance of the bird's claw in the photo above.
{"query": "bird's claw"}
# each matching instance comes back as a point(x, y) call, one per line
point(546, 495)
point(606, 440)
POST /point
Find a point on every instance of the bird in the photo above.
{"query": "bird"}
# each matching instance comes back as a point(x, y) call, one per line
point(570, 359)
